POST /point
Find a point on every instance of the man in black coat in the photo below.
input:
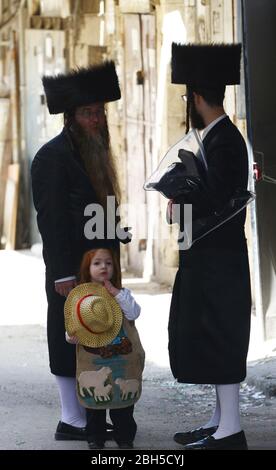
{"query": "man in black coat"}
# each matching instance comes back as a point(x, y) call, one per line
point(209, 321)
point(69, 173)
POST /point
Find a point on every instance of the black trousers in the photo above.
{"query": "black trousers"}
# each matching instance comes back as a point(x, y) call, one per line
point(62, 355)
point(124, 425)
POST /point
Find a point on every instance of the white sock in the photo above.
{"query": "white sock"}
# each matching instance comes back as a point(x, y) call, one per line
point(229, 423)
point(71, 411)
point(214, 420)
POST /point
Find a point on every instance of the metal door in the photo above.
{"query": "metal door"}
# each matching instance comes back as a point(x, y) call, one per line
point(140, 95)
point(44, 56)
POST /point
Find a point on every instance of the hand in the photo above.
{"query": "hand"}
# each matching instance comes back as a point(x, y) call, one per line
point(124, 234)
point(71, 339)
point(172, 215)
point(63, 288)
point(110, 288)
point(169, 211)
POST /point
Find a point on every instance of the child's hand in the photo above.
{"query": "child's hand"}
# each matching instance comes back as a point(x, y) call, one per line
point(110, 288)
point(71, 339)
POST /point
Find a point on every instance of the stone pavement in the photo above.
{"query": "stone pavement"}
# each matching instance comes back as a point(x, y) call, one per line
point(262, 374)
point(29, 405)
point(27, 305)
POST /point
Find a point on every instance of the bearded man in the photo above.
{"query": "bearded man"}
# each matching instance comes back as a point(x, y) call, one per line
point(209, 323)
point(70, 172)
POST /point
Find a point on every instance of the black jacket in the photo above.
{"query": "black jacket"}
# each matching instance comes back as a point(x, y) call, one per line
point(61, 191)
point(211, 303)
point(227, 160)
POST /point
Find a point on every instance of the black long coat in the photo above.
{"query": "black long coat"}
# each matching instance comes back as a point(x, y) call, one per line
point(61, 191)
point(210, 311)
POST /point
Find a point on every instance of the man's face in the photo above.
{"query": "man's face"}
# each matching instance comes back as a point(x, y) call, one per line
point(196, 118)
point(91, 118)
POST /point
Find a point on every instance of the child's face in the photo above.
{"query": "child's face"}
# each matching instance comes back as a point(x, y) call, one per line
point(101, 266)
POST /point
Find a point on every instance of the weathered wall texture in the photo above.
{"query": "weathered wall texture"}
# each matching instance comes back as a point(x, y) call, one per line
point(56, 35)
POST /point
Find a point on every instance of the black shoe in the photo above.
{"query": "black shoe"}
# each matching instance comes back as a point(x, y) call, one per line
point(66, 432)
point(185, 438)
point(94, 445)
point(125, 445)
point(235, 441)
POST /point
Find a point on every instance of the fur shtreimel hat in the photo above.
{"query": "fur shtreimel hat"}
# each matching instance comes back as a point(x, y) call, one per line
point(92, 315)
point(207, 66)
point(84, 86)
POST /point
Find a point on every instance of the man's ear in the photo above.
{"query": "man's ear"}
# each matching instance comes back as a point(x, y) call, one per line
point(199, 101)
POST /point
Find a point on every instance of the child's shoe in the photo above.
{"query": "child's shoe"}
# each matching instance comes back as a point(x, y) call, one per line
point(125, 445)
point(94, 445)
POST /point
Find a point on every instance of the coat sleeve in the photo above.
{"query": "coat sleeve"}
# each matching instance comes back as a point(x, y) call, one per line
point(51, 200)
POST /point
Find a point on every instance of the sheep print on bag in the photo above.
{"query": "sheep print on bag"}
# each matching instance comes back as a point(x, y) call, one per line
point(110, 377)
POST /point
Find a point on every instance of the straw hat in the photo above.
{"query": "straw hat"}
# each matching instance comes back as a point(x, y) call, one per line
point(92, 315)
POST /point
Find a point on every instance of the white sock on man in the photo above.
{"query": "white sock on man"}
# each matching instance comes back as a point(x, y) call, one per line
point(214, 421)
point(71, 411)
point(228, 396)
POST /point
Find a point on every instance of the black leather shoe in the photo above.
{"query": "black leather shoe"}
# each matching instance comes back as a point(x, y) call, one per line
point(233, 442)
point(193, 436)
point(94, 445)
point(66, 432)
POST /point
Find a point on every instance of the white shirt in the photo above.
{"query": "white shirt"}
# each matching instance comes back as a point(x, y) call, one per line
point(212, 124)
point(128, 304)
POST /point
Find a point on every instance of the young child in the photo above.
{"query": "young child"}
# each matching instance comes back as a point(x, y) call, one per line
point(99, 318)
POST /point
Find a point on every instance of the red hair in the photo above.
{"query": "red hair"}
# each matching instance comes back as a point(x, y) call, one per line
point(85, 275)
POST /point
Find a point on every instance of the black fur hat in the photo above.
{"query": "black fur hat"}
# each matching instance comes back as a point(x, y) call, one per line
point(97, 83)
point(207, 66)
